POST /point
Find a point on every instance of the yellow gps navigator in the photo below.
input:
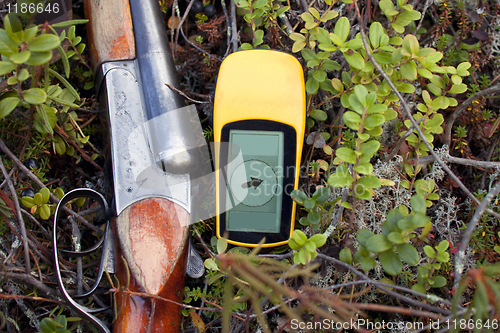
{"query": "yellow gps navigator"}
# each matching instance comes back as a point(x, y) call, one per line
point(260, 112)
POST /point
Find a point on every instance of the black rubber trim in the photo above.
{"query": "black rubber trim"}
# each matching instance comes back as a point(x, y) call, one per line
point(289, 164)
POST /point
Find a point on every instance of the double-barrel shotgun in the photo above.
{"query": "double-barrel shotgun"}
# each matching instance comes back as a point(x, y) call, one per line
point(154, 150)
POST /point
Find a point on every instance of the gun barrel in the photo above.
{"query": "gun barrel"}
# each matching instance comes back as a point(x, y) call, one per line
point(170, 137)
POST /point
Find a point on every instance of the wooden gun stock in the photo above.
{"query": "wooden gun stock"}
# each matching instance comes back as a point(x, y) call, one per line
point(150, 232)
point(157, 255)
point(110, 32)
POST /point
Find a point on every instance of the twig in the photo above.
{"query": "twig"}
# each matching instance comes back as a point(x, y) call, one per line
point(228, 27)
point(172, 40)
point(41, 287)
point(413, 121)
point(427, 3)
point(387, 291)
point(337, 216)
point(197, 47)
point(395, 309)
point(451, 119)
point(37, 181)
point(183, 94)
point(389, 286)
point(459, 266)
point(19, 216)
point(32, 298)
point(34, 220)
point(77, 147)
point(234, 36)
point(280, 281)
point(186, 12)
point(457, 160)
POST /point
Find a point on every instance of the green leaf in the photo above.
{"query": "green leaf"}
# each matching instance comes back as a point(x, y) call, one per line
point(345, 256)
point(312, 86)
point(44, 211)
point(310, 246)
point(376, 31)
point(45, 192)
point(407, 88)
point(68, 23)
point(368, 263)
point(395, 237)
point(23, 74)
point(45, 119)
point(64, 60)
point(388, 8)
point(410, 44)
point(369, 182)
point(405, 225)
point(47, 325)
point(374, 120)
point(312, 10)
point(369, 148)
point(308, 55)
point(259, 35)
point(297, 37)
point(7, 105)
point(341, 178)
point(418, 204)
point(299, 237)
point(352, 120)
point(7, 46)
point(44, 43)
point(390, 263)
point(408, 254)
point(443, 246)
point(298, 196)
point(347, 205)
point(424, 73)
point(330, 65)
point(20, 58)
point(309, 203)
point(39, 58)
point(321, 194)
point(307, 17)
point(443, 257)
point(364, 168)
point(318, 239)
point(409, 71)
point(377, 243)
point(331, 14)
point(14, 27)
point(355, 60)
point(211, 265)
point(221, 245)
point(342, 28)
point(35, 96)
point(458, 89)
point(297, 46)
point(439, 281)
point(419, 288)
point(314, 217)
point(319, 75)
point(65, 83)
point(6, 67)
point(429, 251)
point(303, 221)
point(363, 235)
point(347, 155)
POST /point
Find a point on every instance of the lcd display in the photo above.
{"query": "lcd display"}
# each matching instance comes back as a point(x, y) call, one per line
point(255, 187)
